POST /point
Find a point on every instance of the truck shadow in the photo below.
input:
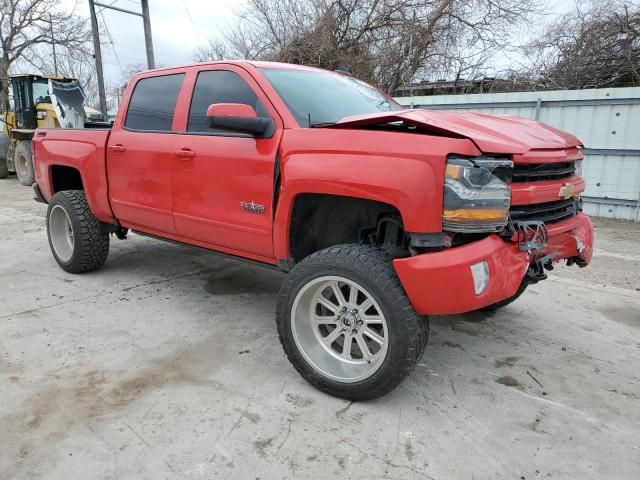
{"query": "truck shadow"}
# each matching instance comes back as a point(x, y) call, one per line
point(460, 346)
point(235, 279)
point(143, 257)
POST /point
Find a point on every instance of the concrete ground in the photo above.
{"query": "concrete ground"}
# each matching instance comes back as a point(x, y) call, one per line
point(166, 365)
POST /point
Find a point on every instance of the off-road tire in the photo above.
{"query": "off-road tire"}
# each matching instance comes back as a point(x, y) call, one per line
point(507, 301)
point(90, 245)
point(408, 332)
point(23, 161)
point(4, 170)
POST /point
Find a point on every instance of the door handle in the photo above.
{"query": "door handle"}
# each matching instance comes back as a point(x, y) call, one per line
point(185, 153)
point(117, 148)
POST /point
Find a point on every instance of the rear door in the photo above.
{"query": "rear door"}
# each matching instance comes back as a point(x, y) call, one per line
point(140, 156)
point(223, 186)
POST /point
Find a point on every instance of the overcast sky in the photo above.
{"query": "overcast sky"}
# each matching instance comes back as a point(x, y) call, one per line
point(178, 27)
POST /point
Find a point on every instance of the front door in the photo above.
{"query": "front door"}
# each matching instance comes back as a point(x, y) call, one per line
point(140, 156)
point(222, 181)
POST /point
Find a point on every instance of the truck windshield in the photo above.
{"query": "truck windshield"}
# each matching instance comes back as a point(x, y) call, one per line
point(317, 98)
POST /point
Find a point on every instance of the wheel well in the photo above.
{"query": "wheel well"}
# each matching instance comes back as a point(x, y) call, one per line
point(320, 221)
point(65, 178)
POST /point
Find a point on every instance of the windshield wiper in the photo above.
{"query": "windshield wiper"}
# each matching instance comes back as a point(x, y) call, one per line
point(311, 124)
point(320, 124)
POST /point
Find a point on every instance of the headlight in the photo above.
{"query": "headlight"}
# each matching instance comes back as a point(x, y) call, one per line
point(475, 199)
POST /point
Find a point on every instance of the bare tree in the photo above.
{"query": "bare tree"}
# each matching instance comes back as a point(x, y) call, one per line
point(387, 42)
point(213, 50)
point(595, 46)
point(27, 24)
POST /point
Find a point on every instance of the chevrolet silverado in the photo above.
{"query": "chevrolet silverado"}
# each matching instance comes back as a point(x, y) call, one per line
point(379, 214)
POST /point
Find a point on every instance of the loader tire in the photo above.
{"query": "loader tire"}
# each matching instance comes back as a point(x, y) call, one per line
point(4, 170)
point(24, 163)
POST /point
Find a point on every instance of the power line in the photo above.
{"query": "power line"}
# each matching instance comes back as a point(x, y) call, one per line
point(146, 22)
point(113, 47)
point(127, 42)
point(104, 8)
point(144, 14)
point(195, 30)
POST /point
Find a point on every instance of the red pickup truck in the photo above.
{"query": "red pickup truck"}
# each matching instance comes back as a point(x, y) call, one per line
point(381, 215)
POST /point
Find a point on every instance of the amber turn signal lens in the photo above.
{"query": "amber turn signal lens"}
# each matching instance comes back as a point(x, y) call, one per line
point(453, 171)
point(466, 214)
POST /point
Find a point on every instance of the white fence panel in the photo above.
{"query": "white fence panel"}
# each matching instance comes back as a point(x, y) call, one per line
point(606, 120)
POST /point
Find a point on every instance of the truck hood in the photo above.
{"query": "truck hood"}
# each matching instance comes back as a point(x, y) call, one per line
point(490, 133)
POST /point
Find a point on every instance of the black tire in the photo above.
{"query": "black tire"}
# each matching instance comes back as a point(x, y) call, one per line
point(24, 163)
point(90, 246)
point(4, 170)
point(408, 332)
point(507, 301)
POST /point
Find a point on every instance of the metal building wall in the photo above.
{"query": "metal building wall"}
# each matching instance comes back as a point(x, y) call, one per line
point(606, 120)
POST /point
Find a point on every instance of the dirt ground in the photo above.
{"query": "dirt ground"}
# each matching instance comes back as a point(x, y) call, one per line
point(166, 365)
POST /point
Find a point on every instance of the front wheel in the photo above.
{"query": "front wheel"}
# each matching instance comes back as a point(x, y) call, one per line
point(75, 238)
point(346, 324)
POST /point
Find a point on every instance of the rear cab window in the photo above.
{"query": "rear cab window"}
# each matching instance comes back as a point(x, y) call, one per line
point(153, 103)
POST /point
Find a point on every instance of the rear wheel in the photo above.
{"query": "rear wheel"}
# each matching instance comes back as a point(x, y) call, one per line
point(346, 324)
point(74, 234)
point(24, 163)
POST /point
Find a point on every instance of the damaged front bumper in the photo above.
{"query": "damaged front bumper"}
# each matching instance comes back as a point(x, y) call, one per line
point(479, 274)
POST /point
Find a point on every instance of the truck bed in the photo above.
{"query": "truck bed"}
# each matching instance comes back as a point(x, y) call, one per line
point(80, 149)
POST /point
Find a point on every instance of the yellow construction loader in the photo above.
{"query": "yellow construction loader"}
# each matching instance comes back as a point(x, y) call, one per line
point(39, 102)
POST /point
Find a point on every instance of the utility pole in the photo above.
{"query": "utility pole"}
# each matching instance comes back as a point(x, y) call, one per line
point(53, 44)
point(148, 41)
point(151, 63)
point(146, 21)
point(97, 53)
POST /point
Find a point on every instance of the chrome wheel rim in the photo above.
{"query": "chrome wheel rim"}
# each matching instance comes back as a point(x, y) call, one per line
point(61, 233)
point(339, 328)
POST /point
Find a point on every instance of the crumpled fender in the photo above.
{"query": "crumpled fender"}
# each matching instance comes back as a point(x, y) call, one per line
point(401, 169)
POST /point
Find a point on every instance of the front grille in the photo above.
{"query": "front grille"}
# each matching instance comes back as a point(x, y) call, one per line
point(548, 212)
point(534, 172)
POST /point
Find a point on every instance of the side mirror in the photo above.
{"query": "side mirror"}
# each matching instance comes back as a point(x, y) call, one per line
point(238, 117)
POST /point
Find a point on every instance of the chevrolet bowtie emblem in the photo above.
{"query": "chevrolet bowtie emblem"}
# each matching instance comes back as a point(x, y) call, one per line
point(566, 191)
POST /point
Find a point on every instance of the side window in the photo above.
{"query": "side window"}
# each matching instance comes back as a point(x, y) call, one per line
point(219, 86)
point(153, 103)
